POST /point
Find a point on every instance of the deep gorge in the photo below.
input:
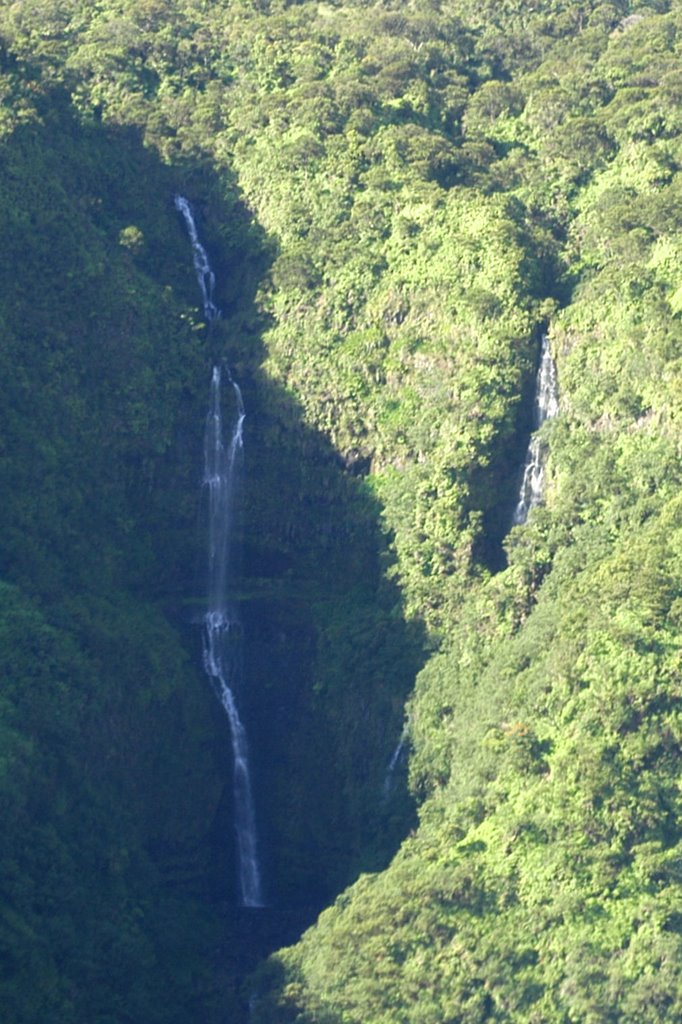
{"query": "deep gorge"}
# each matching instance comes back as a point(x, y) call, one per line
point(461, 694)
point(309, 595)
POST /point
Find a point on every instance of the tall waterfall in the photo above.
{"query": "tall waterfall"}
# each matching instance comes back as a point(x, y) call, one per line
point(223, 452)
point(222, 625)
point(546, 407)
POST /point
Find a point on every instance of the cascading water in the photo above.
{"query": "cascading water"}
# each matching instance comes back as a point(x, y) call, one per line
point(221, 622)
point(393, 764)
point(546, 407)
point(202, 267)
point(222, 625)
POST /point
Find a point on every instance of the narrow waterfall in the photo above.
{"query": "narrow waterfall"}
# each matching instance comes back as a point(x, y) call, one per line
point(202, 267)
point(222, 625)
point(546, 407)
point(221, 622)
point(393, 764)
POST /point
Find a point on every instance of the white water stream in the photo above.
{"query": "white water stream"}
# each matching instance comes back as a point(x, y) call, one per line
point(202, 267)
point(223, 452)
point(546, 407)
point(393, 764)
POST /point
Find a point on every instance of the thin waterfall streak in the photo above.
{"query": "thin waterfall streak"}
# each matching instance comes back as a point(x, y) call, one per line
point(222, 633)
point(202, 266)
point(545, 407)
point(393, 763)
point(222, 626)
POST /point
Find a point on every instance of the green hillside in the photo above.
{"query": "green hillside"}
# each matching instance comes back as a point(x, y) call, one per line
point(399, 200)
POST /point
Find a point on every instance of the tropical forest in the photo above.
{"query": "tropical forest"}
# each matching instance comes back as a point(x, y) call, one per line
point(340, 511)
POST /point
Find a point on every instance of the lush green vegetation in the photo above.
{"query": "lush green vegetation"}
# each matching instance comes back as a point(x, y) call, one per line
point(399, 198)
point(97, 690)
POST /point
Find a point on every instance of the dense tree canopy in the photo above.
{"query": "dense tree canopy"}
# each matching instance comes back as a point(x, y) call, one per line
point(400, 199)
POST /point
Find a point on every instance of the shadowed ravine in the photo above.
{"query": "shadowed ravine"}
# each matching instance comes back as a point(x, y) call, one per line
point(276, 428)
point(223, 453)
point(297, 624)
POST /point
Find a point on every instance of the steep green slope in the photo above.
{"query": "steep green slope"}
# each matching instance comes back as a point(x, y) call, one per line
point(543, 881)
point(423, 190)
point(106, 366)
point(392, 271)
point(107, 810)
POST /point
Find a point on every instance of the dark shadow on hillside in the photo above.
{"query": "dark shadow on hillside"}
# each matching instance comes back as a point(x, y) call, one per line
point(103, 361)
point(328, 658)
point(106, 364)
